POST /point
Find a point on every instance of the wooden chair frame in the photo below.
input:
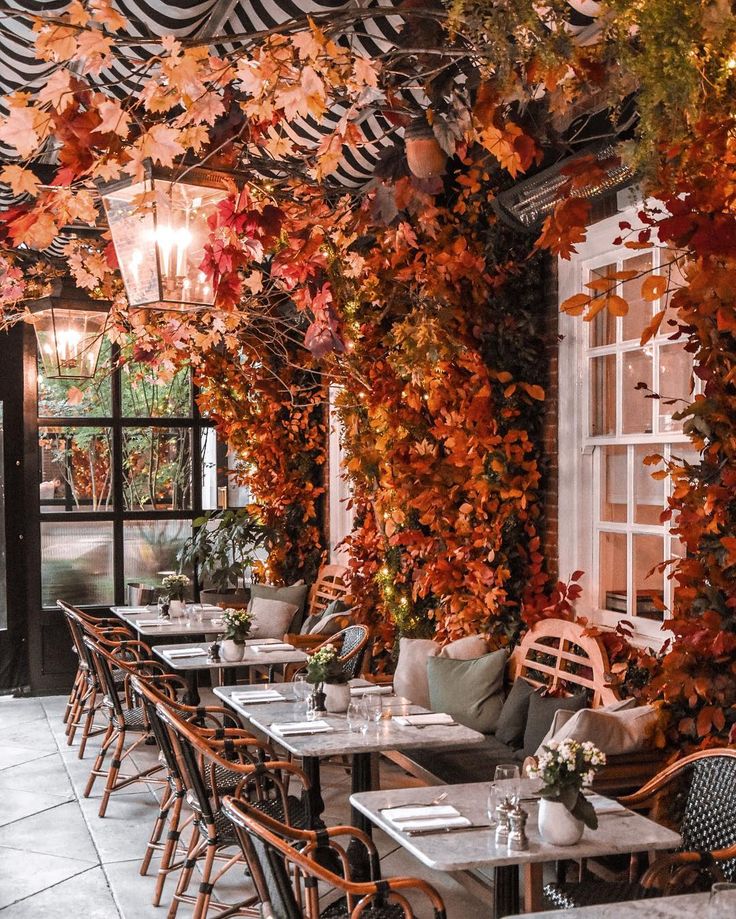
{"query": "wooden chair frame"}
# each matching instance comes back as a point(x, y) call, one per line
point(331, 584)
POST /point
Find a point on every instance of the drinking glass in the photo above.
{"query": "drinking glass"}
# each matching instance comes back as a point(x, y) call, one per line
point(722, 900)
point(312, 713)
point(508, 773)
point(302, 689)
point(373, 707)
point(493, 799)
point(162, 602)
point(357, 722)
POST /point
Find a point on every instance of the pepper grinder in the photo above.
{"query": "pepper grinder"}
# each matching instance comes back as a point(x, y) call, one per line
point(502, 816)
point(518, 841)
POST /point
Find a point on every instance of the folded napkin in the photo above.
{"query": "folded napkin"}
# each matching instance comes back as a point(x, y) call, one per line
point(603, 805)
point(262, 648)
point(156, 622)
point(428, 817)
point(301, 727)
point(428, 718)
point(258, 695)
point(263, 641)
point(187, 652)
point(138, 609)
point(371, 690)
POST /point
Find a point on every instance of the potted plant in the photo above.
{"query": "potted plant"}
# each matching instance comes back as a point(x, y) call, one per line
point(564, 768)
point(222, 551)
point(237, 623)
point(326, 674)
point(175, 585)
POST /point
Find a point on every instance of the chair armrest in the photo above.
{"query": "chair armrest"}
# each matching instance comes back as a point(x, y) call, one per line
point(304, 642)
point(378, 679)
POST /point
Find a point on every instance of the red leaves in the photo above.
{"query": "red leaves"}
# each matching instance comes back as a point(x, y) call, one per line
point(565, 226)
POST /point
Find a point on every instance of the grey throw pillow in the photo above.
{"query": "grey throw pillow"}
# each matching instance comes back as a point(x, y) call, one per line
point(542, 710)
point(469, 690)
point(295, 594)
point(512, 720)
point(315, 623)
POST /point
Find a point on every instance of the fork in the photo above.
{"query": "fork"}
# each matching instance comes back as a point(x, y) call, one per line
point(438, 800)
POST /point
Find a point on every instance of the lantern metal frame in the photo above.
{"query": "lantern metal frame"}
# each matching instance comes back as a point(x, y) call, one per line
point(66, 296)
point(194, 176)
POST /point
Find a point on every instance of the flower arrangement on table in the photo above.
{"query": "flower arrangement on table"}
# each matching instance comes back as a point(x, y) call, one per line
point(175, 585)
point(564, 768)
point(237, 623)
point(324, 667)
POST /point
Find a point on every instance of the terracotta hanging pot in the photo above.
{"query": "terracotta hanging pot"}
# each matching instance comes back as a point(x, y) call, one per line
point(424, 155)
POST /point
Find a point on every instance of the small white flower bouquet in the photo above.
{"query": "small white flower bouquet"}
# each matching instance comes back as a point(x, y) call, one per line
point(237, 624)
point(564, 768)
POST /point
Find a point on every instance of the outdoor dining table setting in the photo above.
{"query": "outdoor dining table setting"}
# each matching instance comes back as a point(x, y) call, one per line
point(197, 619)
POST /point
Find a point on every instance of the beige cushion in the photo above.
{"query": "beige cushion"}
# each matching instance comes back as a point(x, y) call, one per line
point(625, 730)
point(410, 679)
point(271, 618)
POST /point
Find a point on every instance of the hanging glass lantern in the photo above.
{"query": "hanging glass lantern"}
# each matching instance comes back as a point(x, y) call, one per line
point(159, 229)
point(69, 328)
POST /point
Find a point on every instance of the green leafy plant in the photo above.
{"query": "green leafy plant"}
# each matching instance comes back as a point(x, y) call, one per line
point(324, 667)
point(237, 624)
point(564, 768)
point(225, 552)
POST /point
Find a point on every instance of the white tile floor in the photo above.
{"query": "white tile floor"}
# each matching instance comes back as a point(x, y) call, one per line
point(59, 859)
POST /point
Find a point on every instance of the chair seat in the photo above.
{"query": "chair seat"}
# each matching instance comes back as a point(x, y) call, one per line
point(339, 909)
point(592, 892)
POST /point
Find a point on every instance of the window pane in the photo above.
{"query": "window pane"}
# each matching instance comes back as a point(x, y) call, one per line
point(75, 470)
point(673, 271)
point(612, 571)
point(76, 563)
point(237, 495)
point(636, 408)
point(675, 369)
point(649, 494)
point(613, 483)
point(603, 327)
point(157, 469)
point(603, 395)
point(640, 311)
point(96, 394)
point(145, 395)
point(648, 552)
point(150, 547)
point(209, 469)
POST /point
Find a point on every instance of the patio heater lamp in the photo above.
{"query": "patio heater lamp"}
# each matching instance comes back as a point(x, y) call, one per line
point(69, 327)
point(159, 230)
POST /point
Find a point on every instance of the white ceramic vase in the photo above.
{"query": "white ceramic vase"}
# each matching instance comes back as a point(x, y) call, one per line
point(337, 696)
point(557, 826)
point(177, 608)
point(231, 650)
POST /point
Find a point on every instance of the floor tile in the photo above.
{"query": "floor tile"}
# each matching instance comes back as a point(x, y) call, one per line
point(132, 893)
point(24, 873)
point(54, 832)
point(36, 734)
point(47, 773)
point(21, 804)
point(123, 833)
point(15, 754)
point(20, 711)
point(86, 894)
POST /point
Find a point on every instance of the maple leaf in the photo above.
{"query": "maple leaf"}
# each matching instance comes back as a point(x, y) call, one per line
point(305, 98)
point(55, 43)
point(161, 144)
point(94, 49)
point(114, 119)
point(104, 13)
point(194, 137)
point(565, 226)
point(306, 45)
point(18, 130)
point(21, 181)
point(81, 206)
point(57, 91)
point(365, 72)
point(37, 231)
point(74, 395)
point(77, 14)
point(208, 108)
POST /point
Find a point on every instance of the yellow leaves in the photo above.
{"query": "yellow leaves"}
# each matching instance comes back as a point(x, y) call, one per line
point(21, 181)
point(57, 91)
point(115, 119)
point(653, 287)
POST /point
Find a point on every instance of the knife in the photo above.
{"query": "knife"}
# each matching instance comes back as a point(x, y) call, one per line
point(432, 831)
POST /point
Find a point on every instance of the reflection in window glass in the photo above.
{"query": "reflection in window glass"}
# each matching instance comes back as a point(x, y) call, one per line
point(75, 469)
point(640, 310)
point(150, 547)
point(77, 398)
point(648, 584)
point(612, 571)
point(636, 414)
point(675, 381)
point(603, 326)
point(603, 395)
point(145, 395)
point(157, 469)
point(76, 563)
point(613, 483)
point(649, 495)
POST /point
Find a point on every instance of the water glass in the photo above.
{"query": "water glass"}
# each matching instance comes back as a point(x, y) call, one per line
point(357, 722)
point(312, 713)
point(373, 707)
point(722, 901)
point(302, 689)
point(509, 774)
point(492, 804)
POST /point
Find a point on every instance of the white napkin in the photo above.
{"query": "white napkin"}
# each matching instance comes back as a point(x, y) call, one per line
point(603, 805)
point(138, 609)
point(371, 690)
point(426, 817)
point(258, 695)
point(263, 641)
point(156, 622)
point(281, 646)
point(429, 718)
point(301, 727)
point(187, 652)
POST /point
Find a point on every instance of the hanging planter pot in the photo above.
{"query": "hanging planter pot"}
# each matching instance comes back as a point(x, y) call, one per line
point(424, 155)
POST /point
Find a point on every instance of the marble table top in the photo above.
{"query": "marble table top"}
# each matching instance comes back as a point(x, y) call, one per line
point(621, 831)
point(386, 735)
point(210, 621)
point(682, 907)
point(251, 658)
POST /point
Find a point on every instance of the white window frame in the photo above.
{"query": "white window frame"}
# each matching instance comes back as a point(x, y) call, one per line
point(578, 470)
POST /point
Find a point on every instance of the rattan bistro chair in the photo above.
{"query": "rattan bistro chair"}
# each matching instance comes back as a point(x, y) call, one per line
point(211, 766)
point(697, 797)
point(286, 871)
point(351, 644)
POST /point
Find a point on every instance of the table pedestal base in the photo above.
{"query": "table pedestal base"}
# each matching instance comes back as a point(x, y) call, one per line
point(506, 891)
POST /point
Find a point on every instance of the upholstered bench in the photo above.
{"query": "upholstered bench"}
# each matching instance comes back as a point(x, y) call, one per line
point(558, 655)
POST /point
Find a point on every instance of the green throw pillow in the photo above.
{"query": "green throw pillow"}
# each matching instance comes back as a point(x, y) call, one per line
point(542, 710)
point(471, 691)
point(512, 720)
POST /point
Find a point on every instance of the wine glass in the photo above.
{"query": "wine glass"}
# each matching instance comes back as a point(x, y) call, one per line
point(722, 900)
point(302, 689)
point(357, 722)
point(492, 804)
point(508, 773)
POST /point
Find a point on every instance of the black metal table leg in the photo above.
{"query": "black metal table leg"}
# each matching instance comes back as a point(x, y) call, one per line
point(506, 900)
point(360, 781)
point(310, 765)
point(192, 678)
